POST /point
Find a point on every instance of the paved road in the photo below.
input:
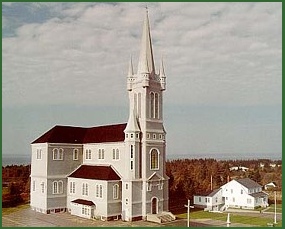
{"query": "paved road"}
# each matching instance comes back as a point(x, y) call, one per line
point(25, 217)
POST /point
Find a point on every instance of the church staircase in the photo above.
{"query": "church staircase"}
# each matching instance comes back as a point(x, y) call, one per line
point(163, 217)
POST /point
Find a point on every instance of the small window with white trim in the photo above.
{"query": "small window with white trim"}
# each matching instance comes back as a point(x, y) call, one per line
point(75, 154)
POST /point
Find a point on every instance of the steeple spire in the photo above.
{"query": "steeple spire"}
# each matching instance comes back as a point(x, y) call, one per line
point(131, 72)
point(146, 63)
point(161, 70)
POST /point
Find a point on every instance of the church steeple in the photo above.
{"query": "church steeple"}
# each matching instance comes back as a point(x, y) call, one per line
point(162, 76)
point(131, 72)
point(146, 62)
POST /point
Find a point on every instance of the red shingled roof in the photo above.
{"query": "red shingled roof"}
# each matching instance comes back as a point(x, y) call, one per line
point(95, 172)
point(84, 202)
point(80, 135)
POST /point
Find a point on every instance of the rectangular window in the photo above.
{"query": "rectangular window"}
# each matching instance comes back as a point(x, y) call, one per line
point(249, 201)
point(88, 154)
point(75, 154)
point(234, 200)
point(39, 154)
point(127, 186)
point(85, 189)
point(132, 151)
point(101, 191)
point(154, 136)
point(232, 191)
point(101, 154)
point(241, 191)
point(199, 199)
point(34, 185)
point(72, 187)
point(97, 190)
point(160, 136)
point(116, 191)
point(117, 154)
point(43, 187)
point(132, 165)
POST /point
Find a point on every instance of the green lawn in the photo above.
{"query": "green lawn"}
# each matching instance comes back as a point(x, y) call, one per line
point(7, 211)
point(235, 218)
point(272, 208)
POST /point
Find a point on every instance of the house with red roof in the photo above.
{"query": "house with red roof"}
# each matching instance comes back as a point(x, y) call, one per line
point(114, 171)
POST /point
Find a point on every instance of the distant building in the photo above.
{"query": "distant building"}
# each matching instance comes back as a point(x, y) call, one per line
point(236, 168)
point(270, 185)
point(242, 193)
point(113, 171)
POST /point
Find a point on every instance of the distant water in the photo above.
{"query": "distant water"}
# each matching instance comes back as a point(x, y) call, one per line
point(224, 156)
point(26, 159)
point(16, 160)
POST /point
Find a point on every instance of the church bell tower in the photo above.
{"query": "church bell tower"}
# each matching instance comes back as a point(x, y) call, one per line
point(145, 133)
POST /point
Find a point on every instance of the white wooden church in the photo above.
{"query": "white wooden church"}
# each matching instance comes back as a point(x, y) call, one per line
point(114, 171)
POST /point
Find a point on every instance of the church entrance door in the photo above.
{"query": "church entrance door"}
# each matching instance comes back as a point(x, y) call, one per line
point(154, 206)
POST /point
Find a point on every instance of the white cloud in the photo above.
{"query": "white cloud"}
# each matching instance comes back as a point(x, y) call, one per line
point(216, 53)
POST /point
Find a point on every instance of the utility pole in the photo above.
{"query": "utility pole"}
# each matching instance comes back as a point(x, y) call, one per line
point(211, 182)
point(275, 218)
point(188, 212)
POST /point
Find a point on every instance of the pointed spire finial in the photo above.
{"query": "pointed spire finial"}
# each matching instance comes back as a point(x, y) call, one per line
point(131, 72)
point(146, 62)
point(161, 70)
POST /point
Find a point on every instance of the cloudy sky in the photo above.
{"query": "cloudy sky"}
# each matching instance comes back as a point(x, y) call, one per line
point(66, 63)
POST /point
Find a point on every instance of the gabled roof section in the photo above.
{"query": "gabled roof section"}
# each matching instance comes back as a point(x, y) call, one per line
point(80, 135)
point(214, 192)
point(248, 183)
point(155, 176)
point(95, 172)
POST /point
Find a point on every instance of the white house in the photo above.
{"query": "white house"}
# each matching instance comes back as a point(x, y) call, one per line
point(210, 202)
point(243, 193)
point(113, 171)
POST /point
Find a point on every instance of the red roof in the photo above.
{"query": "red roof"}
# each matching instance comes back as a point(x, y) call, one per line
point(80, 135)
point(95, 172)
point(83, 202)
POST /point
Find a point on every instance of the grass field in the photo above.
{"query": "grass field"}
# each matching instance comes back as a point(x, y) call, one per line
point(7, 211)
point(234, 218)
point(272, 208)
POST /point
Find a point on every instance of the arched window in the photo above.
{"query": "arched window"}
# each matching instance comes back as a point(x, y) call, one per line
point(55, 154)
point(154, 159)
point(60, 187)
point(114, 154)
point(156, 105)
point(152, 105)
point(60, 156)
point(116, 191)
point(54, 187)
